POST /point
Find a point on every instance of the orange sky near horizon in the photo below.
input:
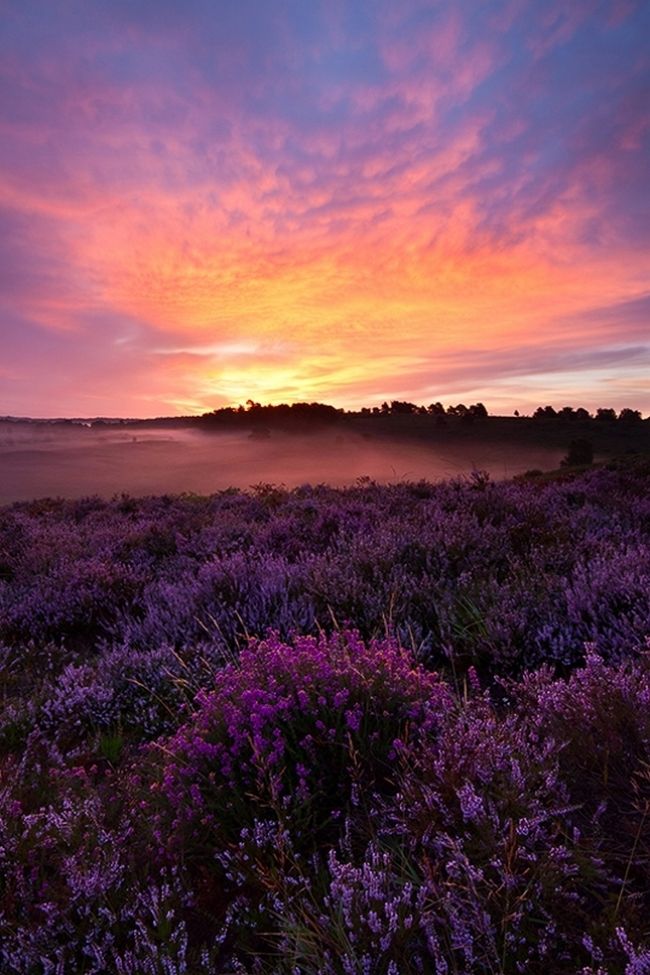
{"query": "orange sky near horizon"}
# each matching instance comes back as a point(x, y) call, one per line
point(349, 207)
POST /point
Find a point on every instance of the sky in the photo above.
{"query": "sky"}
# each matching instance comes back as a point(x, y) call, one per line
point(207, 201)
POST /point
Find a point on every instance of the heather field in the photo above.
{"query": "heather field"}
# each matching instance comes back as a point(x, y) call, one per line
point(379, 730)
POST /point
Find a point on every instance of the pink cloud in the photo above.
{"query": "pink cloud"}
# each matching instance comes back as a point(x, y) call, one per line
point(418, 188)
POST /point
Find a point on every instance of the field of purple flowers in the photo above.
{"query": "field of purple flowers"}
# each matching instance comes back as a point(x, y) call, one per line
point(383, 730)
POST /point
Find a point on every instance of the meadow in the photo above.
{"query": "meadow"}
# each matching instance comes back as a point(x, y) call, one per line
point(373, 730)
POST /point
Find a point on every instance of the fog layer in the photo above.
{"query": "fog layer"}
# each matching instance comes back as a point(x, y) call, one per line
point(41, 461)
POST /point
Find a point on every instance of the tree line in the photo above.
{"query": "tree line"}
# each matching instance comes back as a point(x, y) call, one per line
point(606, 415)
point(297, 414)
point(401, 407)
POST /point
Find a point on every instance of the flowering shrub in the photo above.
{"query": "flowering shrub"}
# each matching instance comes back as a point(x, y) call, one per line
point(600, 716)
point(223, 746)
point(361, 916)
point(505, 576)
point(488, 821)
point(484, 861)
point(309, 731)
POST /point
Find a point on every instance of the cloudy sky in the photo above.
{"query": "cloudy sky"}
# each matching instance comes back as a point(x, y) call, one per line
point(210, 200)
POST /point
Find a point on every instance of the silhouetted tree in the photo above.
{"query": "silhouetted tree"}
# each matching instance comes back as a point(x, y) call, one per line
point(629, 416)
point(581, 454)
point(294, 416)
point(606, 414)
point(544, 413)
point(567, 413)
point(401, 406)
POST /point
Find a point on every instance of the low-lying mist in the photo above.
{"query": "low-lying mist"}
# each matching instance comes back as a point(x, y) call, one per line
point(48, 461)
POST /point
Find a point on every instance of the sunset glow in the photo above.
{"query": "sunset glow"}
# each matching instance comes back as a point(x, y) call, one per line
point(345, 202)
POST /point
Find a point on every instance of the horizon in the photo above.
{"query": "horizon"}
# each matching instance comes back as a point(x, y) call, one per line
point(340, 203)
point(242, 408)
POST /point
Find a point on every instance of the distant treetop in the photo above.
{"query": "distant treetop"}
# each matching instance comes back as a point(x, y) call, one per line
point(283, 414)
point(303, 415)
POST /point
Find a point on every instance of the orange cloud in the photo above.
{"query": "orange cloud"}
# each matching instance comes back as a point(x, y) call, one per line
point(336, 216)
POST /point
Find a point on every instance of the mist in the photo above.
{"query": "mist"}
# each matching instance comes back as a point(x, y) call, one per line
point(39, 461)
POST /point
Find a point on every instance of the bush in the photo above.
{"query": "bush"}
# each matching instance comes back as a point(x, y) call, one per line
point(309, 730)
point(581, 454)
point(292, 751)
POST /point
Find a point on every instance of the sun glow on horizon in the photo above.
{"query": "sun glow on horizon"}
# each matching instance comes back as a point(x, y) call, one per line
point(415, 204)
